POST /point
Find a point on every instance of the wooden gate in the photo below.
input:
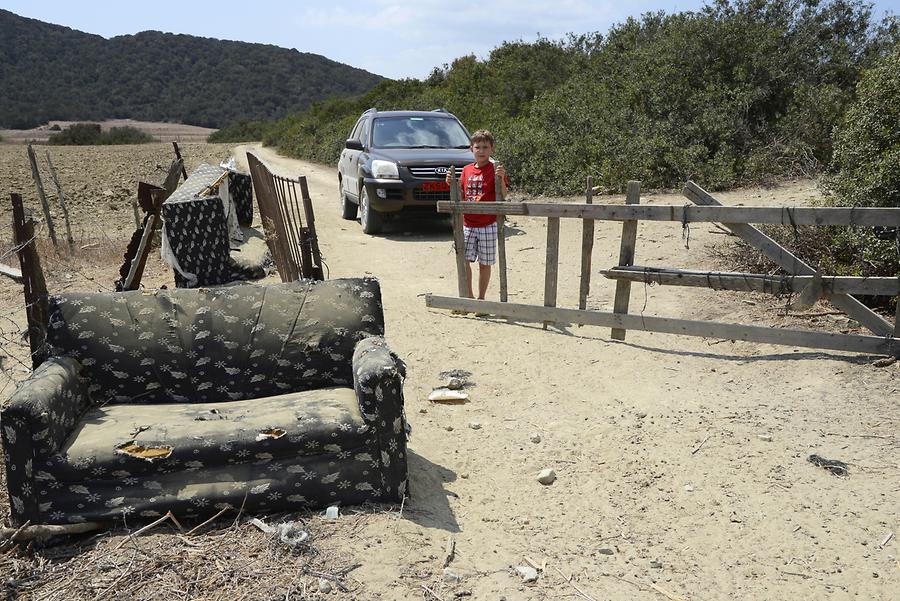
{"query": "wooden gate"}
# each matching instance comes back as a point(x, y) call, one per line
point(294, 247)
point(801, 277)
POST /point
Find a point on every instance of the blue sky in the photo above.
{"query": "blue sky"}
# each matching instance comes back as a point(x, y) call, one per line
point(394, 38)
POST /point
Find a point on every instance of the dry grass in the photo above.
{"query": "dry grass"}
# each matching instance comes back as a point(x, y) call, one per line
point(232, 560)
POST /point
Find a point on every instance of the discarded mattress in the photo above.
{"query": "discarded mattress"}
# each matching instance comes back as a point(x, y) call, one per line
point(274, 398)
point(203, 231)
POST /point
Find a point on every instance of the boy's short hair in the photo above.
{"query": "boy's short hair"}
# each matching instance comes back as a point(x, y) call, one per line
point(483, 135)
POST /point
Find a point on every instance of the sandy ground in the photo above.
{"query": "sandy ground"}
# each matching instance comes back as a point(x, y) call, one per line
point(681, 462)
point(164, 132)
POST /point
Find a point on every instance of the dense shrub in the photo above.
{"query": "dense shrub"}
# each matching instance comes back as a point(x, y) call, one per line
point(740, 91)
point(83, 134)
point(242, 131)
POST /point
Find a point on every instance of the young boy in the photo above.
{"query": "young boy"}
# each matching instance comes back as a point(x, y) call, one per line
point(477, 184)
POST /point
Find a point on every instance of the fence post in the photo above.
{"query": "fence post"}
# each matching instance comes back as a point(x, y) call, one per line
point(36, 309)
point(501, 241)
point(626, 256)
point(62, 203)
point(458, 239)
point(587, 249)
point(36, 176)
point(551, 269)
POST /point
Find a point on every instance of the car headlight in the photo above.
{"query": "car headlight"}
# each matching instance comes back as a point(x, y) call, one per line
point(385, 170)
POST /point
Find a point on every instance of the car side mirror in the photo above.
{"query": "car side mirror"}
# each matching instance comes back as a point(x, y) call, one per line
point(353, 144)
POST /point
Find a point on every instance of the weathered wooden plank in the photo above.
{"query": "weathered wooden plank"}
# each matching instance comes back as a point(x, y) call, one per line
point(36, 309)
point(755, 282)
point(551, 266)
point(11, 272)
point(626, 256)
point(313, 239)
point(36, 176)
point(62, 203)
point(459, 244)
point(897, 320)
point(501, 243)
point(181, 160)
point(692, 214)
point(707, 329)
point(792, 264)
point(587, 248)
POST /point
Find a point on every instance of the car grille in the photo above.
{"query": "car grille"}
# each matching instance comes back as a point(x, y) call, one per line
point(420, 194)
point(429, 173)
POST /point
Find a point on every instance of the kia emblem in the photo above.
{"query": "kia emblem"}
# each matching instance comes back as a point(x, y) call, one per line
point(441, 170)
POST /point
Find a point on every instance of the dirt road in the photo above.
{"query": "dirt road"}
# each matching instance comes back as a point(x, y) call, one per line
point(681, 462)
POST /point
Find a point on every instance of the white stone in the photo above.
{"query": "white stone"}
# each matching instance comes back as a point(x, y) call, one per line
point(535, 437)
point(528, 573)
point(475, 425)
point(451, 576)
point(324, 586)
point(547, 476)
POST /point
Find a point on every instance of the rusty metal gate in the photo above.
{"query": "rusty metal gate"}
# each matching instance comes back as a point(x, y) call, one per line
point(294, 246)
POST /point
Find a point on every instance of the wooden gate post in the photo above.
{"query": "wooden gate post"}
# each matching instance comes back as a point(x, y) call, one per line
point(551, 269)
point(36, 309)
point(501, 241)
point(459, 241)
point(626, 256)
point(587, 249)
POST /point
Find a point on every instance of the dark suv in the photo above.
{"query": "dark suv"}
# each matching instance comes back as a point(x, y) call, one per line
point(396, 160)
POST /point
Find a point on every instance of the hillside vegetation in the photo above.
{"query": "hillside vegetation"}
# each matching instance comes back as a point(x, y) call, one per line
point(740, 91)
point(49, 72)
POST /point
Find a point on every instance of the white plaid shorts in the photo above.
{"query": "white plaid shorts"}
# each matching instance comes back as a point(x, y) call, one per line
point(481, 244)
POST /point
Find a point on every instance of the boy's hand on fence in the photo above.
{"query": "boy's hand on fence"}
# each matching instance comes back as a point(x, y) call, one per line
point(500, 170)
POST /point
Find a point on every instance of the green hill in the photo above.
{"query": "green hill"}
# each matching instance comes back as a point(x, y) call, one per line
point(53, 72)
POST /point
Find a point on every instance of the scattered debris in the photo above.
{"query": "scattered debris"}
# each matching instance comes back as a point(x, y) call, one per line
point(475, 425)
point(656, 564)
point(324, 586)
point(606, 551)
point(292, 534)
point(641, 414)
point(528, 573)
point(445, 395)
point(332, 512)
point(452, 576)
point(838, 468)
point(535, 437)
point(448, 428)
point(886, 540)
point(884, 362)
point(547, 477)
point(689, 487)
point(455, 373)
point(455, 383)
point(450, 552)
point(764, 437)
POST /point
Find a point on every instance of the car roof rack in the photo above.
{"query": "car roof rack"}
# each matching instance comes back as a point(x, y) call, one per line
point(440, 110)
point(371, 110)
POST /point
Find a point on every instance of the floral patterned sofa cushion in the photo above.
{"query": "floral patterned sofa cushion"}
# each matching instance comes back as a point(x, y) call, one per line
point(325, 424)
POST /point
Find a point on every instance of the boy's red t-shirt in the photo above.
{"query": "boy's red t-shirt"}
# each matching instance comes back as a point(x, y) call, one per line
point(478, 186)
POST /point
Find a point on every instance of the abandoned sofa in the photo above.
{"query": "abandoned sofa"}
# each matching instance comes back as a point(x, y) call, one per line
point(273, 398)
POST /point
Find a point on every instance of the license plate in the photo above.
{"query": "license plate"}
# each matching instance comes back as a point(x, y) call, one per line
point(435, 186)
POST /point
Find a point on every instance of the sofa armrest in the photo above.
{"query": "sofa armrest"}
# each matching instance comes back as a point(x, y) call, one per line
point(41, 414)
point(378, 376)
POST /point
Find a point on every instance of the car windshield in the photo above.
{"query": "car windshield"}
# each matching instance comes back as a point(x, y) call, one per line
point(418, 132)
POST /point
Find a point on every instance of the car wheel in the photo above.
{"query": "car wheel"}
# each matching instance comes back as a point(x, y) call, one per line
point(369, 218)
point(348, 207)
